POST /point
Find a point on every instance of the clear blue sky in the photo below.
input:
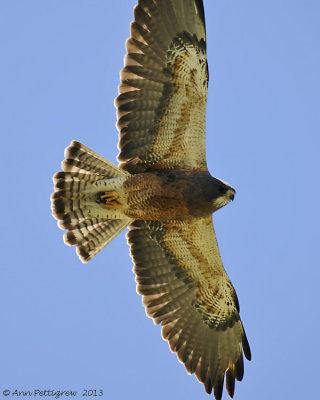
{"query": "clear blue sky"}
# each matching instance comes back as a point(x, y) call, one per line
point(66, 325)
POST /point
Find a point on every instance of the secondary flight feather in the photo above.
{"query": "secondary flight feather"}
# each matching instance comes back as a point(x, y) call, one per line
point(163, 192)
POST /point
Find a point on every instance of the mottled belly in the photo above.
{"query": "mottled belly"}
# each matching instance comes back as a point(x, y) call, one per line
point(156, 196)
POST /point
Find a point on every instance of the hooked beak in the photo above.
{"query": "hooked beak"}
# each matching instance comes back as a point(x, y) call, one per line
point(231, 196)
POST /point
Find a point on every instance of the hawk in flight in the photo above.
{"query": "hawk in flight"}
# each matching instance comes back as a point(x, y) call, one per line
point(163, 192)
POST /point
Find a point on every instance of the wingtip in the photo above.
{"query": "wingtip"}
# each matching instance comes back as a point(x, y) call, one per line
point(230, 380)
point(218, 387)
point(246, 348)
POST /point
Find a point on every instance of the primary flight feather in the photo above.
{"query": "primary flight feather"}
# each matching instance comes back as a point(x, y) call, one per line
point(163, 192)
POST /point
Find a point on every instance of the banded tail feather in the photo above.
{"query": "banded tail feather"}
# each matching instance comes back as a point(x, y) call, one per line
point(75, 201)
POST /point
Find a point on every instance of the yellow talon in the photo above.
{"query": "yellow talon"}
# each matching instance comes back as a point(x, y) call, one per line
point(109, 199)
point(110, 196)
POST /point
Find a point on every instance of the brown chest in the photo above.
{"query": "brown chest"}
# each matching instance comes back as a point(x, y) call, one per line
point(155, 196)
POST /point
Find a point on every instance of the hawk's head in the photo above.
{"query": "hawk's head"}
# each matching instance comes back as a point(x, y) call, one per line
point(221, 193)
point(205, 194)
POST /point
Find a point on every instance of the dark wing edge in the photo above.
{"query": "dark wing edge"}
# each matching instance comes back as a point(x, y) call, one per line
point(165, 76)
point(208, 345)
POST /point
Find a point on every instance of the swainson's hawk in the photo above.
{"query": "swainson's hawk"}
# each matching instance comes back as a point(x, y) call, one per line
point(163, 192)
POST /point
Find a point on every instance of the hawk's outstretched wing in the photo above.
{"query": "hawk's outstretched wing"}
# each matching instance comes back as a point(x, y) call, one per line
point(185, 287)
point(163, 91)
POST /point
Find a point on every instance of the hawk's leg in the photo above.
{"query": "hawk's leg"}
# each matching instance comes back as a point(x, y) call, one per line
point(109, 199)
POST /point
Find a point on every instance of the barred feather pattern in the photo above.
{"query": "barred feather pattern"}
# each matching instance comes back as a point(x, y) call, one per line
point(89, 226)
point(163, 90)
point(185, 288)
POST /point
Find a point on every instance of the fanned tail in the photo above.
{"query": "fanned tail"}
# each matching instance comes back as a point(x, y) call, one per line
point(75, 201)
